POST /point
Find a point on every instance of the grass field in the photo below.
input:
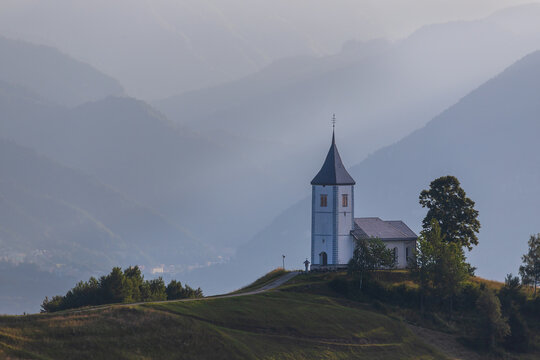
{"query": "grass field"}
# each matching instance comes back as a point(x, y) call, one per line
point(293, 324)
point(263, 280)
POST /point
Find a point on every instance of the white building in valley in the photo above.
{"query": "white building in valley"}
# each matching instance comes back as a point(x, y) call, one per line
point(334, 227)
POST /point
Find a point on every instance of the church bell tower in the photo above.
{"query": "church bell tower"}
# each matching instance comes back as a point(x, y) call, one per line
point(332, 213)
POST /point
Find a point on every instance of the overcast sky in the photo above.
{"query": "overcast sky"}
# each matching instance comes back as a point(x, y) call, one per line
point(157, 48)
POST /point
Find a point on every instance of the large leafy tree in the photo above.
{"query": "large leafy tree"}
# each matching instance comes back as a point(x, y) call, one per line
point(369, 255)
point(530, 270)
point(453, 210)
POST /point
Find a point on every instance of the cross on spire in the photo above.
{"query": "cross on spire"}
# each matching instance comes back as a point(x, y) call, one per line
point(333, 128)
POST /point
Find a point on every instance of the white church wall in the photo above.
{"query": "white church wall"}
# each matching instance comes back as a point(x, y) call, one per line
point(345, 215)
point(326, 217)
point(322, 244)
point(323, 190)
point(346, 248)
point(345, 218)
point(323, 220)
point(401, 248)
point(323, 215)
point(323, 223)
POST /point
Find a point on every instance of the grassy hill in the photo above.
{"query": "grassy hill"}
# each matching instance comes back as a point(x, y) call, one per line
point(287, 323)
point(309, 317)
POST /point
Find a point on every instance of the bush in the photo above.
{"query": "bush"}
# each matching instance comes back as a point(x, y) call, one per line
point(519, 337)
point(339, 285)
point(492, 326)
point(380, 307)
point(467, 297)
point(176, 291)
point(532, 308)
point(510, 294)
point(52, 305)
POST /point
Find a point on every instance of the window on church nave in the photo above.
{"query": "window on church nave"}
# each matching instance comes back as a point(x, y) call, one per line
point(345, 200)
point(324, 200)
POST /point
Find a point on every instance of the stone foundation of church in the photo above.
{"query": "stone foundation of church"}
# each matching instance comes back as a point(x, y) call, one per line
point(322, 268)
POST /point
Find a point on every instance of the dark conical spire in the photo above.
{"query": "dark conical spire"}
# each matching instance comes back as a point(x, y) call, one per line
point(333, 172)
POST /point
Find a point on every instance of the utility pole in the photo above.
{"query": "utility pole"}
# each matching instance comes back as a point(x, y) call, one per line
point(283, 261)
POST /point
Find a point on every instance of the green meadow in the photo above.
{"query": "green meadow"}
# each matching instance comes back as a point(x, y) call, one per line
point(285, 323)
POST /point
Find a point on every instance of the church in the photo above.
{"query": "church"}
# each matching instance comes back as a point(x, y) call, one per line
point(334, 227)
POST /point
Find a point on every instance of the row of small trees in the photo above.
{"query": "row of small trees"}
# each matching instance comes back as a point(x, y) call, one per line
point(119, 287)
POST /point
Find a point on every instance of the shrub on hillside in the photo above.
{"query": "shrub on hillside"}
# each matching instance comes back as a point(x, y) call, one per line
point(492, 326)
point(339, 285)
point(467, 297)
point(532, 308)
point(519, 337)
point(176, 291)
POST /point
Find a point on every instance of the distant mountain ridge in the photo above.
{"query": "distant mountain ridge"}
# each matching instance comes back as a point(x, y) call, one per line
point(488, 140)
point(53, 75)
point(169, 47)
point(378, 90)
point(127, 144)
point(67, 222)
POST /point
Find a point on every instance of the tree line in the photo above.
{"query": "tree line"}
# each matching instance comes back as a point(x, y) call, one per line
point(119, 286)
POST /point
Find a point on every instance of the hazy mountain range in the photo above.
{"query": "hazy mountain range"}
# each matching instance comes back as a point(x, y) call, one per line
point(90, 178)
point(128, 145)
point(380, 91)
point(53, 75)
point(489, 140)
point(160, 48)
point(69, 222)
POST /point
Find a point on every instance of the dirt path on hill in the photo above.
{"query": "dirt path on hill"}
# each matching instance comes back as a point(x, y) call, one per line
point(445, 343)
point(272, 285)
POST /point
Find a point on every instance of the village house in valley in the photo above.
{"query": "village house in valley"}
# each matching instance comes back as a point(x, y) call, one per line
point(334, 227)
